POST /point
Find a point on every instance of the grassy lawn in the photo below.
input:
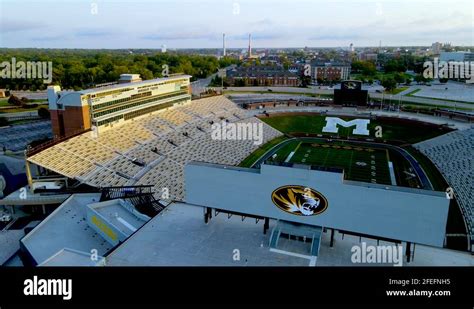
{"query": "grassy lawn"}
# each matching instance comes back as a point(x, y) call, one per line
point(411, 93)
point(257, 154)
point(285, 151)
point(397, 90)
point(378, 76)
point(20, 109)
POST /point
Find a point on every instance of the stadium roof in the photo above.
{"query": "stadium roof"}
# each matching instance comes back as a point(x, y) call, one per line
point(9, 243)
point(179, 237)
point(134, 84)
point(19, 198)
point(66, 227)
point(68, 257)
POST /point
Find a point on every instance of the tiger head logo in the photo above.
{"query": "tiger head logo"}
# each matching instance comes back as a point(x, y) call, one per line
point(299, 200)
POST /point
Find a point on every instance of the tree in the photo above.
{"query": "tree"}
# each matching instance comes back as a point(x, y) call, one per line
point(367, 68)
point(420, 79)
point(3, 121)
point(389, 84)
point(399, 78)
point(305, 81)
point(394, 65)
point(43, 113)
point(79, 69)
point(13, 100)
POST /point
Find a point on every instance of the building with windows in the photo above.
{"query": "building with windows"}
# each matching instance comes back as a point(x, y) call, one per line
point(457, 56)
point(330, 71)
point(262, 76)
point(101, 108)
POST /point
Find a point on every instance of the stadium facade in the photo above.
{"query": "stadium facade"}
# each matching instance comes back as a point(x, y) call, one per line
point(101, 108)
point(303, 195)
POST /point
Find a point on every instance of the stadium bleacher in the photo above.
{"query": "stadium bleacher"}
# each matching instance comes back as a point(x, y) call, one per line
point(154, 149)
point(452, 155)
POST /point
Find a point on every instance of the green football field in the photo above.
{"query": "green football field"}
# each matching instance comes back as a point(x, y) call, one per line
point(359, 163)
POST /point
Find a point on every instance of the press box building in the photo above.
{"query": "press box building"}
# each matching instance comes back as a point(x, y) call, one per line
point(99, 108)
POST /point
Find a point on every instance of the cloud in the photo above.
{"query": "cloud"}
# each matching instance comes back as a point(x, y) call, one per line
point(17, 26)
point(59, 37)
point(165, 36)
point(333, 36)
point(258, 36)
point(80, 34)
point(94, 33)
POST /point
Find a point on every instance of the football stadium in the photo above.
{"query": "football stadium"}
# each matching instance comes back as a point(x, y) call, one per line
point(135, 176)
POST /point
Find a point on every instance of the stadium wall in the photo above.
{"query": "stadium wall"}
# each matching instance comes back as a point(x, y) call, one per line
point(410, 215)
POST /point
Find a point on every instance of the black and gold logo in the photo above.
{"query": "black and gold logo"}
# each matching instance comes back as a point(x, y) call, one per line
point(299, 200)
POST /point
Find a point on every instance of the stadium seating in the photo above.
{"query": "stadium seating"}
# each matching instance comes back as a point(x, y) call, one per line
point(452, 155)
point(153, 150)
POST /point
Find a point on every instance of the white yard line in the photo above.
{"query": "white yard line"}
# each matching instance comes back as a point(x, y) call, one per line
point(289, 157)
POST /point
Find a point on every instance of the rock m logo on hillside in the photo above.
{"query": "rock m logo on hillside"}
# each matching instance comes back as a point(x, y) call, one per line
point(360, 125)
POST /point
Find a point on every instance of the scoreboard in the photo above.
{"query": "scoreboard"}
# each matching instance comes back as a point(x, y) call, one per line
point(351, 94)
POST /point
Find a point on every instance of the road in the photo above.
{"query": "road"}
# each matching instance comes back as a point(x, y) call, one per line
point(200, 85)
point(20, 114)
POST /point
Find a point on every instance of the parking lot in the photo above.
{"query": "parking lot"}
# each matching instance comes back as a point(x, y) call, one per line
point(15, 138)
point(449, 91)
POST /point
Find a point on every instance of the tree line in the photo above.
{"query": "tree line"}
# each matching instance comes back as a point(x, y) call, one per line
point(80, 69)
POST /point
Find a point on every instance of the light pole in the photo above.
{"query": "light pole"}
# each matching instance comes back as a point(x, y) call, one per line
point(221, 73)
point(399, 103)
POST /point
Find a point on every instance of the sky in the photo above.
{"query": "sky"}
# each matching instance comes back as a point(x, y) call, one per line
point(200, 23)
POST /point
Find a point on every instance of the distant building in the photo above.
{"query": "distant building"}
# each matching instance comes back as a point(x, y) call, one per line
point(368, 57)
point(99, 108)
point(457, 56)
point(262, 76)
point(330, 71)
point(129, 78)
point(436, 47)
